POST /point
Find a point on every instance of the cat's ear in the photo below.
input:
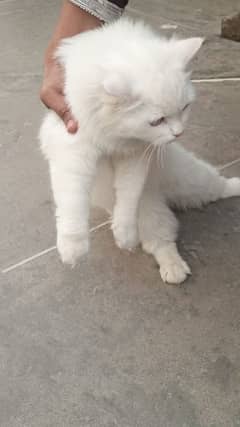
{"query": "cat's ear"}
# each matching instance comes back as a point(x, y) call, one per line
point(188, 48)
point(116, 85)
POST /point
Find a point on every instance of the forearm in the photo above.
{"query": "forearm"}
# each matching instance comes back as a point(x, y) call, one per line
point(76, 16)
point(72, 20)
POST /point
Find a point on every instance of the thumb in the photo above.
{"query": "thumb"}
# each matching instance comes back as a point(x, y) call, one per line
point(56, 102)
point(64, 113)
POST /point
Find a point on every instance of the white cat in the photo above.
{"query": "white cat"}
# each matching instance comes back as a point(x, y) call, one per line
point(130, 92)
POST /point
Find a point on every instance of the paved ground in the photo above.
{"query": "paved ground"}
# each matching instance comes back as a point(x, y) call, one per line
point(108, 344)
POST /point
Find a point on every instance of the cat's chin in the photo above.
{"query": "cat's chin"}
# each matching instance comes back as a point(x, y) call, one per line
point(163, 142)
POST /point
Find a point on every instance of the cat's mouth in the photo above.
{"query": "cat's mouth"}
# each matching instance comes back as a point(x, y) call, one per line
point(175, 137)
point(161, 142)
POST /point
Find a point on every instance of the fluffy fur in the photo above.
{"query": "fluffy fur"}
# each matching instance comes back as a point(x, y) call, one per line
point(131, 94)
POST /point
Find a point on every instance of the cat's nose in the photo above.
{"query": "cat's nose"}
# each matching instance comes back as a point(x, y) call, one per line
point(177, 134)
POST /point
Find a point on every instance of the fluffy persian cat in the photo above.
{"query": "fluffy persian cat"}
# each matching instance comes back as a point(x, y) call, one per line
point(129, 90)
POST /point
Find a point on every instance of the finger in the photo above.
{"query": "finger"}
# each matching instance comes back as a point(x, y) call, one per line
point(72, 126)
point(56, 102)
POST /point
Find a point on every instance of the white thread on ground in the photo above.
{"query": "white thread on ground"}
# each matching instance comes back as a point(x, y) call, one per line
point(169, 26)
point(217, 80)
point(228, 165)
point(45, 251)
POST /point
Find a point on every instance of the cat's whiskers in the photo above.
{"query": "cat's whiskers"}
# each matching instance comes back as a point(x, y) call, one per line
point(163, 151)
point(145, 153)
point(158, 156)
point(149, 159)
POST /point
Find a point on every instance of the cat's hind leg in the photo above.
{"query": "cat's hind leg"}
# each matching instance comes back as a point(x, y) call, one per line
point(158, 232)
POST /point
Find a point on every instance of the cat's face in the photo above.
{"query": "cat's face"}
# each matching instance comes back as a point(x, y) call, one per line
point(153, 105)
point(159, 116)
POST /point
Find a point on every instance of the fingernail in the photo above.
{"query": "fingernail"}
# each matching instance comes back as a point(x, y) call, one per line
point(72, 126)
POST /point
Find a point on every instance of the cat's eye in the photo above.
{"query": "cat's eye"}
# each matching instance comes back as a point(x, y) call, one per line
point(157, 122)
point(186, 106)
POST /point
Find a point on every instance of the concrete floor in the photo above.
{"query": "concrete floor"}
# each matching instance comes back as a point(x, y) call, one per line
point(108, 344)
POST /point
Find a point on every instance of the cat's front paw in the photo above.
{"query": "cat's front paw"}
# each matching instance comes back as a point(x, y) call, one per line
point(72, 247)
point(125, 235)
point(174, 271)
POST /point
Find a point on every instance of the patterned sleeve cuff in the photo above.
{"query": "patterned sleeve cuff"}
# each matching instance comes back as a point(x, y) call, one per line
point(102, 9)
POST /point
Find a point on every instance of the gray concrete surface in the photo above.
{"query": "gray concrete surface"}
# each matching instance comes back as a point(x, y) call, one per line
point(108, 344)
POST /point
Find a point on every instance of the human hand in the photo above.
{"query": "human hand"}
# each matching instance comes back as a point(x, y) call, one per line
point(52, 94)
point(72, 20)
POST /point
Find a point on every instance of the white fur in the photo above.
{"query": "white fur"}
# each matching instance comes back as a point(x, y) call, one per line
point(120, 81)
